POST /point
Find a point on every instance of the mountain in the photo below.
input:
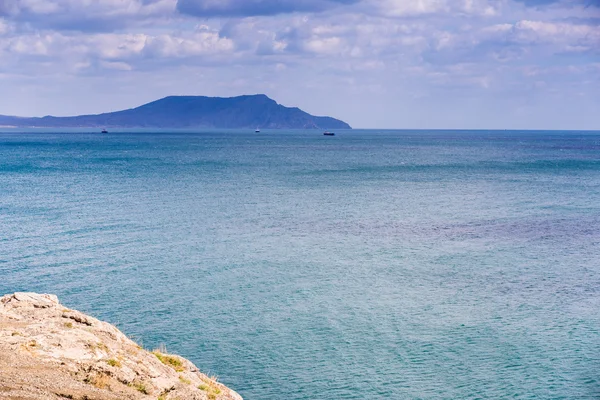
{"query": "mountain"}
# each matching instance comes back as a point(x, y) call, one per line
point(246, 112)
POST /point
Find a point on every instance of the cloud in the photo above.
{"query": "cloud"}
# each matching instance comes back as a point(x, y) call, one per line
point(245, 8)
point(114, 51)
point(84, 15)
point(116, 65)
point(4, 27)
point(563, 36)
point(390, 8)
point(404, 8)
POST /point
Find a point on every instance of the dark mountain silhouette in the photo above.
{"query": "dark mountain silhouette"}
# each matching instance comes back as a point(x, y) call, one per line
point(193, 112)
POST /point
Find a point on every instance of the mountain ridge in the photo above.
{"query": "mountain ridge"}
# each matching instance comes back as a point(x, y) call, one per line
point(245, 111)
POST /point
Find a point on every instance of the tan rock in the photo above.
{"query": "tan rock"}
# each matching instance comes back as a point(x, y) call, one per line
point(49, 352)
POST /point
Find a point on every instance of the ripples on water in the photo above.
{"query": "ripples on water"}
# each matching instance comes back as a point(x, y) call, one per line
point(372, 265)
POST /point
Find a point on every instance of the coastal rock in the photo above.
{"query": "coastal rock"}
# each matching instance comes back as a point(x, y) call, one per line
point(50, 352)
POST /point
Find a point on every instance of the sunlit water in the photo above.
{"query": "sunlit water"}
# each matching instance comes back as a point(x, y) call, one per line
point(369, 265)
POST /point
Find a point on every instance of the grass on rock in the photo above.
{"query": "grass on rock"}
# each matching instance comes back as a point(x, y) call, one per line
point(169, 360)
point(140, 387)
point(211, 387)
point(113, 363)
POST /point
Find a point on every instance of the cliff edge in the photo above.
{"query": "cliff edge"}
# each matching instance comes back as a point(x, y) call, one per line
point(50, 352)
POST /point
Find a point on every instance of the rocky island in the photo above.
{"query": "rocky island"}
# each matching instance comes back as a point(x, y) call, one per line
point(241, 112)
point(48, 351)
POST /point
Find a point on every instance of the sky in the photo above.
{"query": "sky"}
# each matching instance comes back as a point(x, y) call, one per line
point(404, 64)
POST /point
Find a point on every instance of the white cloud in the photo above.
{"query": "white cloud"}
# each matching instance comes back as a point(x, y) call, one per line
point(328, 45)
point(115, 51)
point(199, 43)
point(4, 27)
point(161, 47)
point(561, 36)
point(73, 8)
point(116, 65)
point(557, 32)
point(411, 8)
point(85, 15)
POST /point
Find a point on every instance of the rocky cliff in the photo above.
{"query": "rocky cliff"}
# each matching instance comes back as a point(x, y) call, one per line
point(48, 351)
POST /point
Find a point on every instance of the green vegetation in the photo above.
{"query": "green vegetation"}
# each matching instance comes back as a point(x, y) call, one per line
point(140, 387)
point(95, 347)
point(171, 361)
point(113, 363)
point(210, 386)
point(102, 347)
point(185, 380)
point(69, 325)
point(165, 393)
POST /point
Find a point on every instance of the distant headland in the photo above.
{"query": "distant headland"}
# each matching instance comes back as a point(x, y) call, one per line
point(242, 112)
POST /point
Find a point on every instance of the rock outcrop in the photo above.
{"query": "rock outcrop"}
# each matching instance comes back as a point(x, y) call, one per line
point(48, 351)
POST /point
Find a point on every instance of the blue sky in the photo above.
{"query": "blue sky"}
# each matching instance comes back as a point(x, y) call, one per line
point(532, 64)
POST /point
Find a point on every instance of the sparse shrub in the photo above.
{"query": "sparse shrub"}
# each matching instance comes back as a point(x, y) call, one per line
point(210, 386)
point(140, 387)
point(114, 363)
point(171, 361)
point(100, 381)
point(102, 347)
point(163, 395)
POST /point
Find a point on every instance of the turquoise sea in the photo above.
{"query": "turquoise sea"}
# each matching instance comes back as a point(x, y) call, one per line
point(369, 265)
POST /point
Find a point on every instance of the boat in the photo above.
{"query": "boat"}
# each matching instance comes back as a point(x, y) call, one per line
point(257, 130)
point(104, 131)
point(327, 133)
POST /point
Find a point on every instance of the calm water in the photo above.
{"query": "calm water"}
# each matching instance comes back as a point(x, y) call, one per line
point(371, 265)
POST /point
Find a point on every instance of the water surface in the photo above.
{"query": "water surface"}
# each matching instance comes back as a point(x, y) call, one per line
point(369, 265)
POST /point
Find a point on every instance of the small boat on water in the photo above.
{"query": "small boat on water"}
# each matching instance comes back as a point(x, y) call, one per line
point(257, 130)
point(327, 133)
point(104, 131)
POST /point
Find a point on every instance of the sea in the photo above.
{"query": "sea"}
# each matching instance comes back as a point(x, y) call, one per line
point(374, 264)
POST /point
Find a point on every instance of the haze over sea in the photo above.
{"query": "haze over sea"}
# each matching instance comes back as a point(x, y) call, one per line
point(370, 265)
